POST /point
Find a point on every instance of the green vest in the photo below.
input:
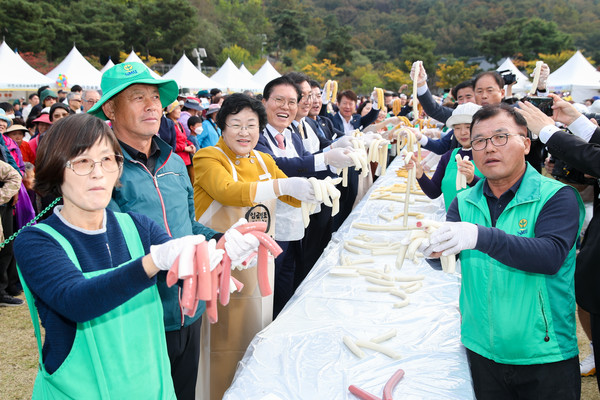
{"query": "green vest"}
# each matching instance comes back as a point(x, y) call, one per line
point(449, 180)
point(508, 315)
point(119, 355)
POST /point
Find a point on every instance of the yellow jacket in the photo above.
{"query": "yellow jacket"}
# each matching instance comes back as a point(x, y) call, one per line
point(214, 180)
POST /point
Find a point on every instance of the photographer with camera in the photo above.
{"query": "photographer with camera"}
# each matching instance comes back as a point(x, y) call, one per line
point(580, 150)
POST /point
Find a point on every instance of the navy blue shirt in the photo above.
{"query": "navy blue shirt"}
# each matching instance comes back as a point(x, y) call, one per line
point(556, 230)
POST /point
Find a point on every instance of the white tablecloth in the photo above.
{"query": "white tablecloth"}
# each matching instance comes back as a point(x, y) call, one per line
point(301, 354)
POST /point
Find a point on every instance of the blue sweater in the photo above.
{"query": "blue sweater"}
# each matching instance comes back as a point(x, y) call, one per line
point(63, 296)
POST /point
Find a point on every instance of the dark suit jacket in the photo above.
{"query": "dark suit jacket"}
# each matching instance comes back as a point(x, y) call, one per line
point(433, 109)
point(585, 157)
point(357, 121)
point(167, 131)
point(441, 146)
point(303, 165)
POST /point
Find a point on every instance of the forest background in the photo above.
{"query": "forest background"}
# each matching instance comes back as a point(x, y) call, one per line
point(360, 43)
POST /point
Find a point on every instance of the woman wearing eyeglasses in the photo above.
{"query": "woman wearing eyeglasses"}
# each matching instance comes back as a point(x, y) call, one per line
point(90, 275)
point(443, 180)
point(234, 181)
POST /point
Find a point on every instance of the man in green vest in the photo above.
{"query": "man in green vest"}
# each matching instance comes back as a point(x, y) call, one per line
point(515, 232)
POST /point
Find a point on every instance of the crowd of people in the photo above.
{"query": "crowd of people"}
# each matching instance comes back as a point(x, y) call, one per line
point(125, 179)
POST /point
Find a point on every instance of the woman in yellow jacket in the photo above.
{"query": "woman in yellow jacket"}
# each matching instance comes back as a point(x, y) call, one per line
point(234, 181)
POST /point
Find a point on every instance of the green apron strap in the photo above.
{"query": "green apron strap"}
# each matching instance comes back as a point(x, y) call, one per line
point(29, 296)
point(449, 180)
point(134, 243)
point(34, 315)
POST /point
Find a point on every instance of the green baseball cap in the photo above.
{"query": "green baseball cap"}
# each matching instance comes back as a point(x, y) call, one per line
point(118, 78)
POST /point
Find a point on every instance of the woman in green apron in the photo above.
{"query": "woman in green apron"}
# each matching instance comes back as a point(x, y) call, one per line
point(87, 273)
point(235, 181)
point(443, 180)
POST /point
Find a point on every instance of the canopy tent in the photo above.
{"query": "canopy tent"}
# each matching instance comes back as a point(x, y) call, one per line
point(230, 79)
point(16, 74)
point(265, 74)
point(76, 70)
point(132, 57)
point(523, 84)
point(577, 76)
point(188, 76)
point(247, 74)
point(109, 64)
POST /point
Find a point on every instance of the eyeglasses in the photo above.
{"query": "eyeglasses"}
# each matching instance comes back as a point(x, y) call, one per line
point(497, 140)
point(236, 128)
point(280, 102)
point(307, 98)
point(90, 101)
point(85, 166)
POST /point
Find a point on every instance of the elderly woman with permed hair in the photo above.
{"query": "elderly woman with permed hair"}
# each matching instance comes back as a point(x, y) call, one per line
point(235, 181)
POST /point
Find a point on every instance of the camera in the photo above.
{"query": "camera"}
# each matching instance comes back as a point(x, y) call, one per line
point(544, 104)
point(509, 77)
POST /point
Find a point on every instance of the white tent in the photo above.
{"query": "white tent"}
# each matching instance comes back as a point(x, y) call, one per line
point(523, 84)
point(188, 76)
point(109, 64)
point(230, 79)
point(577, 76)
point(247, 74)
point(16, 74)
point(265, 74)
point(77, 70)
point(134, 58)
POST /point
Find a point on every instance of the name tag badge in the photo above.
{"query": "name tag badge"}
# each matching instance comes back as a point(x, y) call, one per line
point(259, 213)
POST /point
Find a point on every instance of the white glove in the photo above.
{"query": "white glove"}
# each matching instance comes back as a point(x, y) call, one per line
point(324, 96)
point(369, 137)
point(344, 141)
point(239, 247)
point(215, 255)
point(544, 73)
point(239, 222)
point(425, 247)
point(374, 99)
point(338, 158)
point(452, 238)
point(164, 255)
point(417, 72)
point(299, 188)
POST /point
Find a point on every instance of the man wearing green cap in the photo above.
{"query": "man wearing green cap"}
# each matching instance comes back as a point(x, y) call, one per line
point(155, 183)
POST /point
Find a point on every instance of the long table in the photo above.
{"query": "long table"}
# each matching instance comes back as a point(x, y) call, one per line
point(301, 354)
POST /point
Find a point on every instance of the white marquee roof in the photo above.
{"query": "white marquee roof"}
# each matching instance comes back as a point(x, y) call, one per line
point(109, 64)
point(16, 74)
point(578, 76)
point(188, 76)
point(77, 70)
point(265, 74)
point(230, 79)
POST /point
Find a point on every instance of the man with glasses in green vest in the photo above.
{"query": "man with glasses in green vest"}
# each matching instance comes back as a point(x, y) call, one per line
point(515, 234)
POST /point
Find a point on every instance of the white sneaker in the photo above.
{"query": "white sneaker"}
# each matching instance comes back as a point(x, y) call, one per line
point(588, 365)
